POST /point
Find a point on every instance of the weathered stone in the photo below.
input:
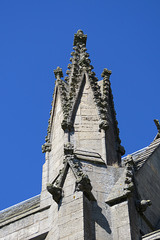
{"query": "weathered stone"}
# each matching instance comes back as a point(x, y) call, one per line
point(92, 194)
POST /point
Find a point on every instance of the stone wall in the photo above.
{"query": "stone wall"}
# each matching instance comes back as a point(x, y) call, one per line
point(24, 221)
point(148, 179)
point(67, 221)
point(55, 157)
point(121, 221)
point(86, 124)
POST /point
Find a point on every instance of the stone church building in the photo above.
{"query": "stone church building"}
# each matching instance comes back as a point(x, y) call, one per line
point(88, 190)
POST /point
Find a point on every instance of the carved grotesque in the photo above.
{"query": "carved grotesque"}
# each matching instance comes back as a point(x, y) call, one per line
point(46, 147)
point(83, 184)
point(143, 205)
point(68, 148)
point(104, 125)
point(66, 125)
point(55, 191)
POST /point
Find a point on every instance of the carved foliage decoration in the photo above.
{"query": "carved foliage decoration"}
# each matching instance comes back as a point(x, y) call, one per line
point(129, 170)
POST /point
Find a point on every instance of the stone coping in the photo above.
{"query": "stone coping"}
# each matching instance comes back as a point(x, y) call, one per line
point(20, 208)
point(152, 236)
point(142, 155)
point(88, 156)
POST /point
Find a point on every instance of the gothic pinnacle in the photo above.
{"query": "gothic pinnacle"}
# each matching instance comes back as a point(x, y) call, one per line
point(80, 37)
point(58, 73)
point(106, 73)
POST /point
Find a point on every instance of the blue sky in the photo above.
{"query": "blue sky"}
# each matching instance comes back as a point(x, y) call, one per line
point(36, 37)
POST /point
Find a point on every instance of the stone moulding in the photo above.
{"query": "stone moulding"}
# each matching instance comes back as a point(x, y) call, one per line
point(89, 156)
point(129, 171)
point(20, 210)
point(46, 147)
point(82, 182)
point(124, 186)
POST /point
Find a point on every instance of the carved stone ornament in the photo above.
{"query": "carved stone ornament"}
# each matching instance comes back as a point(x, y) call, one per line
point(83, 183)
point(79, 37)
point(66, 125)
point(129, 185)
point(106, 73)
point(142, 205)
point(55, 191)
point(82, 180)
point(104, 125)
point(68, 148)
point(58, 73)
point(46, 147)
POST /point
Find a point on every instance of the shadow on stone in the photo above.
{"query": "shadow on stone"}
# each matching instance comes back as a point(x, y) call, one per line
point(100, 219)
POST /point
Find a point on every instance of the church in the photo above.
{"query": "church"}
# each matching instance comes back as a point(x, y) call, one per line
point(89, 191)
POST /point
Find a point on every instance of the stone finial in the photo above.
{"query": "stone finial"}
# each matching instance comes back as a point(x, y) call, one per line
point(58, 73)
point(106, 73)
point(80, 37)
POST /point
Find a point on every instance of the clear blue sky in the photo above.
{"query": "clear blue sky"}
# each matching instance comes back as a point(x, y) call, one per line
point(36, 37)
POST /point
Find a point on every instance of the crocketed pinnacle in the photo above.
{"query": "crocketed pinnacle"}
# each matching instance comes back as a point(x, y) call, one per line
point(70, 87)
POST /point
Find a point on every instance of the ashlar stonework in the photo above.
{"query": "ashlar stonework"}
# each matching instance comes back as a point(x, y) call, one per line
point(88, 190)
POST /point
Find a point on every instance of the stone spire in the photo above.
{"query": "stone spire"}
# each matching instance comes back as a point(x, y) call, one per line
point(79, 71)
